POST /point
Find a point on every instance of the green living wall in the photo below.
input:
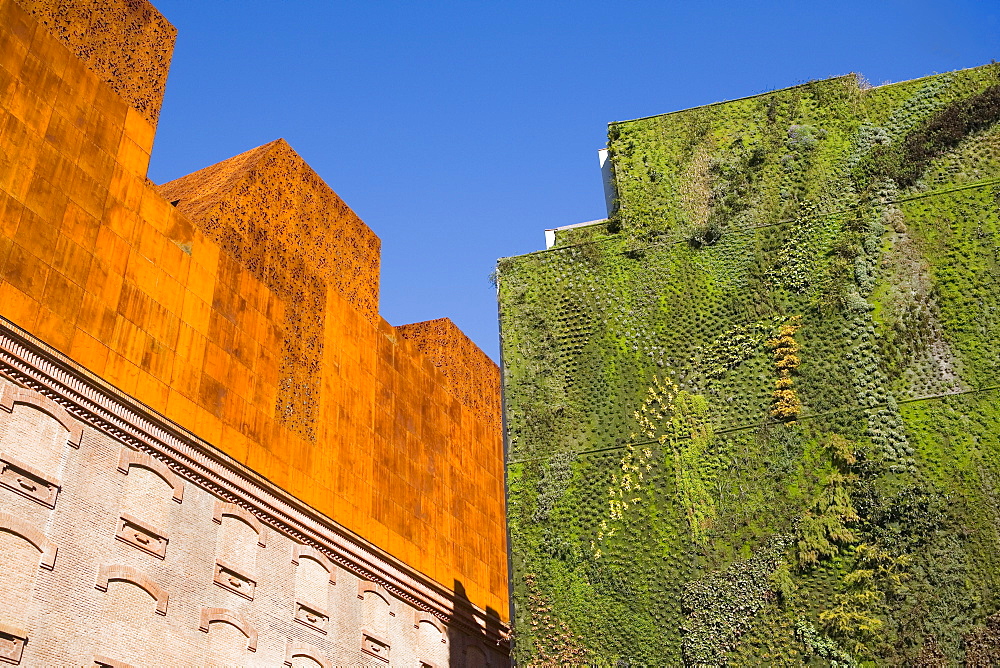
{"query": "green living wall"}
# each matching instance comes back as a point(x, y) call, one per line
point(753, 418)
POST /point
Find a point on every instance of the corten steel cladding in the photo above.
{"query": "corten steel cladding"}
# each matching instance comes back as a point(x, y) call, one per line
point(240, 301)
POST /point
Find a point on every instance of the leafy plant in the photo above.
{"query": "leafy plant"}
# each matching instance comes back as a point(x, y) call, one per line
point(786, 360)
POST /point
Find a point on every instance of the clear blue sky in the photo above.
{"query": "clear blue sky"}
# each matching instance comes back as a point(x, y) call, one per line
point(459, 131)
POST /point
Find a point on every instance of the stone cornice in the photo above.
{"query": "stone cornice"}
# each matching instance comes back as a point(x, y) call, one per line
point(33, 364)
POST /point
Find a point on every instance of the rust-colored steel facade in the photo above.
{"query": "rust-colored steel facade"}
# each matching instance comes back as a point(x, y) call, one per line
point(239, 305)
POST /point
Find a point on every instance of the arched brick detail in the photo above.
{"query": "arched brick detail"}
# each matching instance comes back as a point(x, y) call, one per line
point(421, 616)
point(223, 508)
point(131, 457)
point(136, 577)
point(299, 551)
point(209, 615)
point(13, 394)
point(34, 536)
point(300, 649)
point(366, 586)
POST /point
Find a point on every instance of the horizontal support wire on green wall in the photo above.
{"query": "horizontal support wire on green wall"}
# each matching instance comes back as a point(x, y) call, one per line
point(770, 423)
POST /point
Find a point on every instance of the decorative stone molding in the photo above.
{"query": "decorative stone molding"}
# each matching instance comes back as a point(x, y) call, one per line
point(16, 525)
point(224, 508)
point(301, 649)
point(312, 617)
point(13, 394)
point(105, 662)
point(420, 616)
point(374, 646)
point(369, 587)
point(210, 615)
point(300, 551)
point(28, 482)
point(112, 572)
point(27, 361)
point(12, 642)
point(228, 577)
point(140, 535)
point(131, 457)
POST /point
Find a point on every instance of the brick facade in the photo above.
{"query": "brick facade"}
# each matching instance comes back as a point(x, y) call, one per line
point(159, 549)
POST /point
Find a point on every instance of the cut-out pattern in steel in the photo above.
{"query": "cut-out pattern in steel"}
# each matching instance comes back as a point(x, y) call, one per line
point(126, 43)
point(276, 218)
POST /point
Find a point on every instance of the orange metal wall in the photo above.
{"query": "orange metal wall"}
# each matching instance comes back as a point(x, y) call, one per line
point(469, 374)
point(127, 43)
point(381, 429)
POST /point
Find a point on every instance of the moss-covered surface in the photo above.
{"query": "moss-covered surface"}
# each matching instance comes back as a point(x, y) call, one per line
point(753, 419)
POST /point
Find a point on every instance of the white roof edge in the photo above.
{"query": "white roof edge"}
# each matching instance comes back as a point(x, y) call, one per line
point(567, 227)
point(550, 234)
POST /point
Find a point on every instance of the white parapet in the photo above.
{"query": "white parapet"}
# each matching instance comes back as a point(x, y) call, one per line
point(608, 178)
point(550, 235)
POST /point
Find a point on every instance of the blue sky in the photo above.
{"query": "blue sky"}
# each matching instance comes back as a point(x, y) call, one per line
point(459, 131)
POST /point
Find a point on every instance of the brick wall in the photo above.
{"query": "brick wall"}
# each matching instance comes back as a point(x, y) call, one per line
point(112, 594)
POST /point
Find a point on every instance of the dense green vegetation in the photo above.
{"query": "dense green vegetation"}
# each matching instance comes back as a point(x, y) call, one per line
point(753, 418)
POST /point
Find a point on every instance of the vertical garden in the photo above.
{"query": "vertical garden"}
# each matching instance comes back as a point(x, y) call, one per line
point(754, 418)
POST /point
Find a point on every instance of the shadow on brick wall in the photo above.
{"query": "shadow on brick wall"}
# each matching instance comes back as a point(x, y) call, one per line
point(469, 648)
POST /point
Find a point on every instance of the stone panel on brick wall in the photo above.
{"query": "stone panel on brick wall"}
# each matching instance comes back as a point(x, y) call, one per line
point(28, 481)
point(12, 642)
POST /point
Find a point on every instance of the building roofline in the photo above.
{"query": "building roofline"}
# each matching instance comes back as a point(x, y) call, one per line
point(857, 77)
